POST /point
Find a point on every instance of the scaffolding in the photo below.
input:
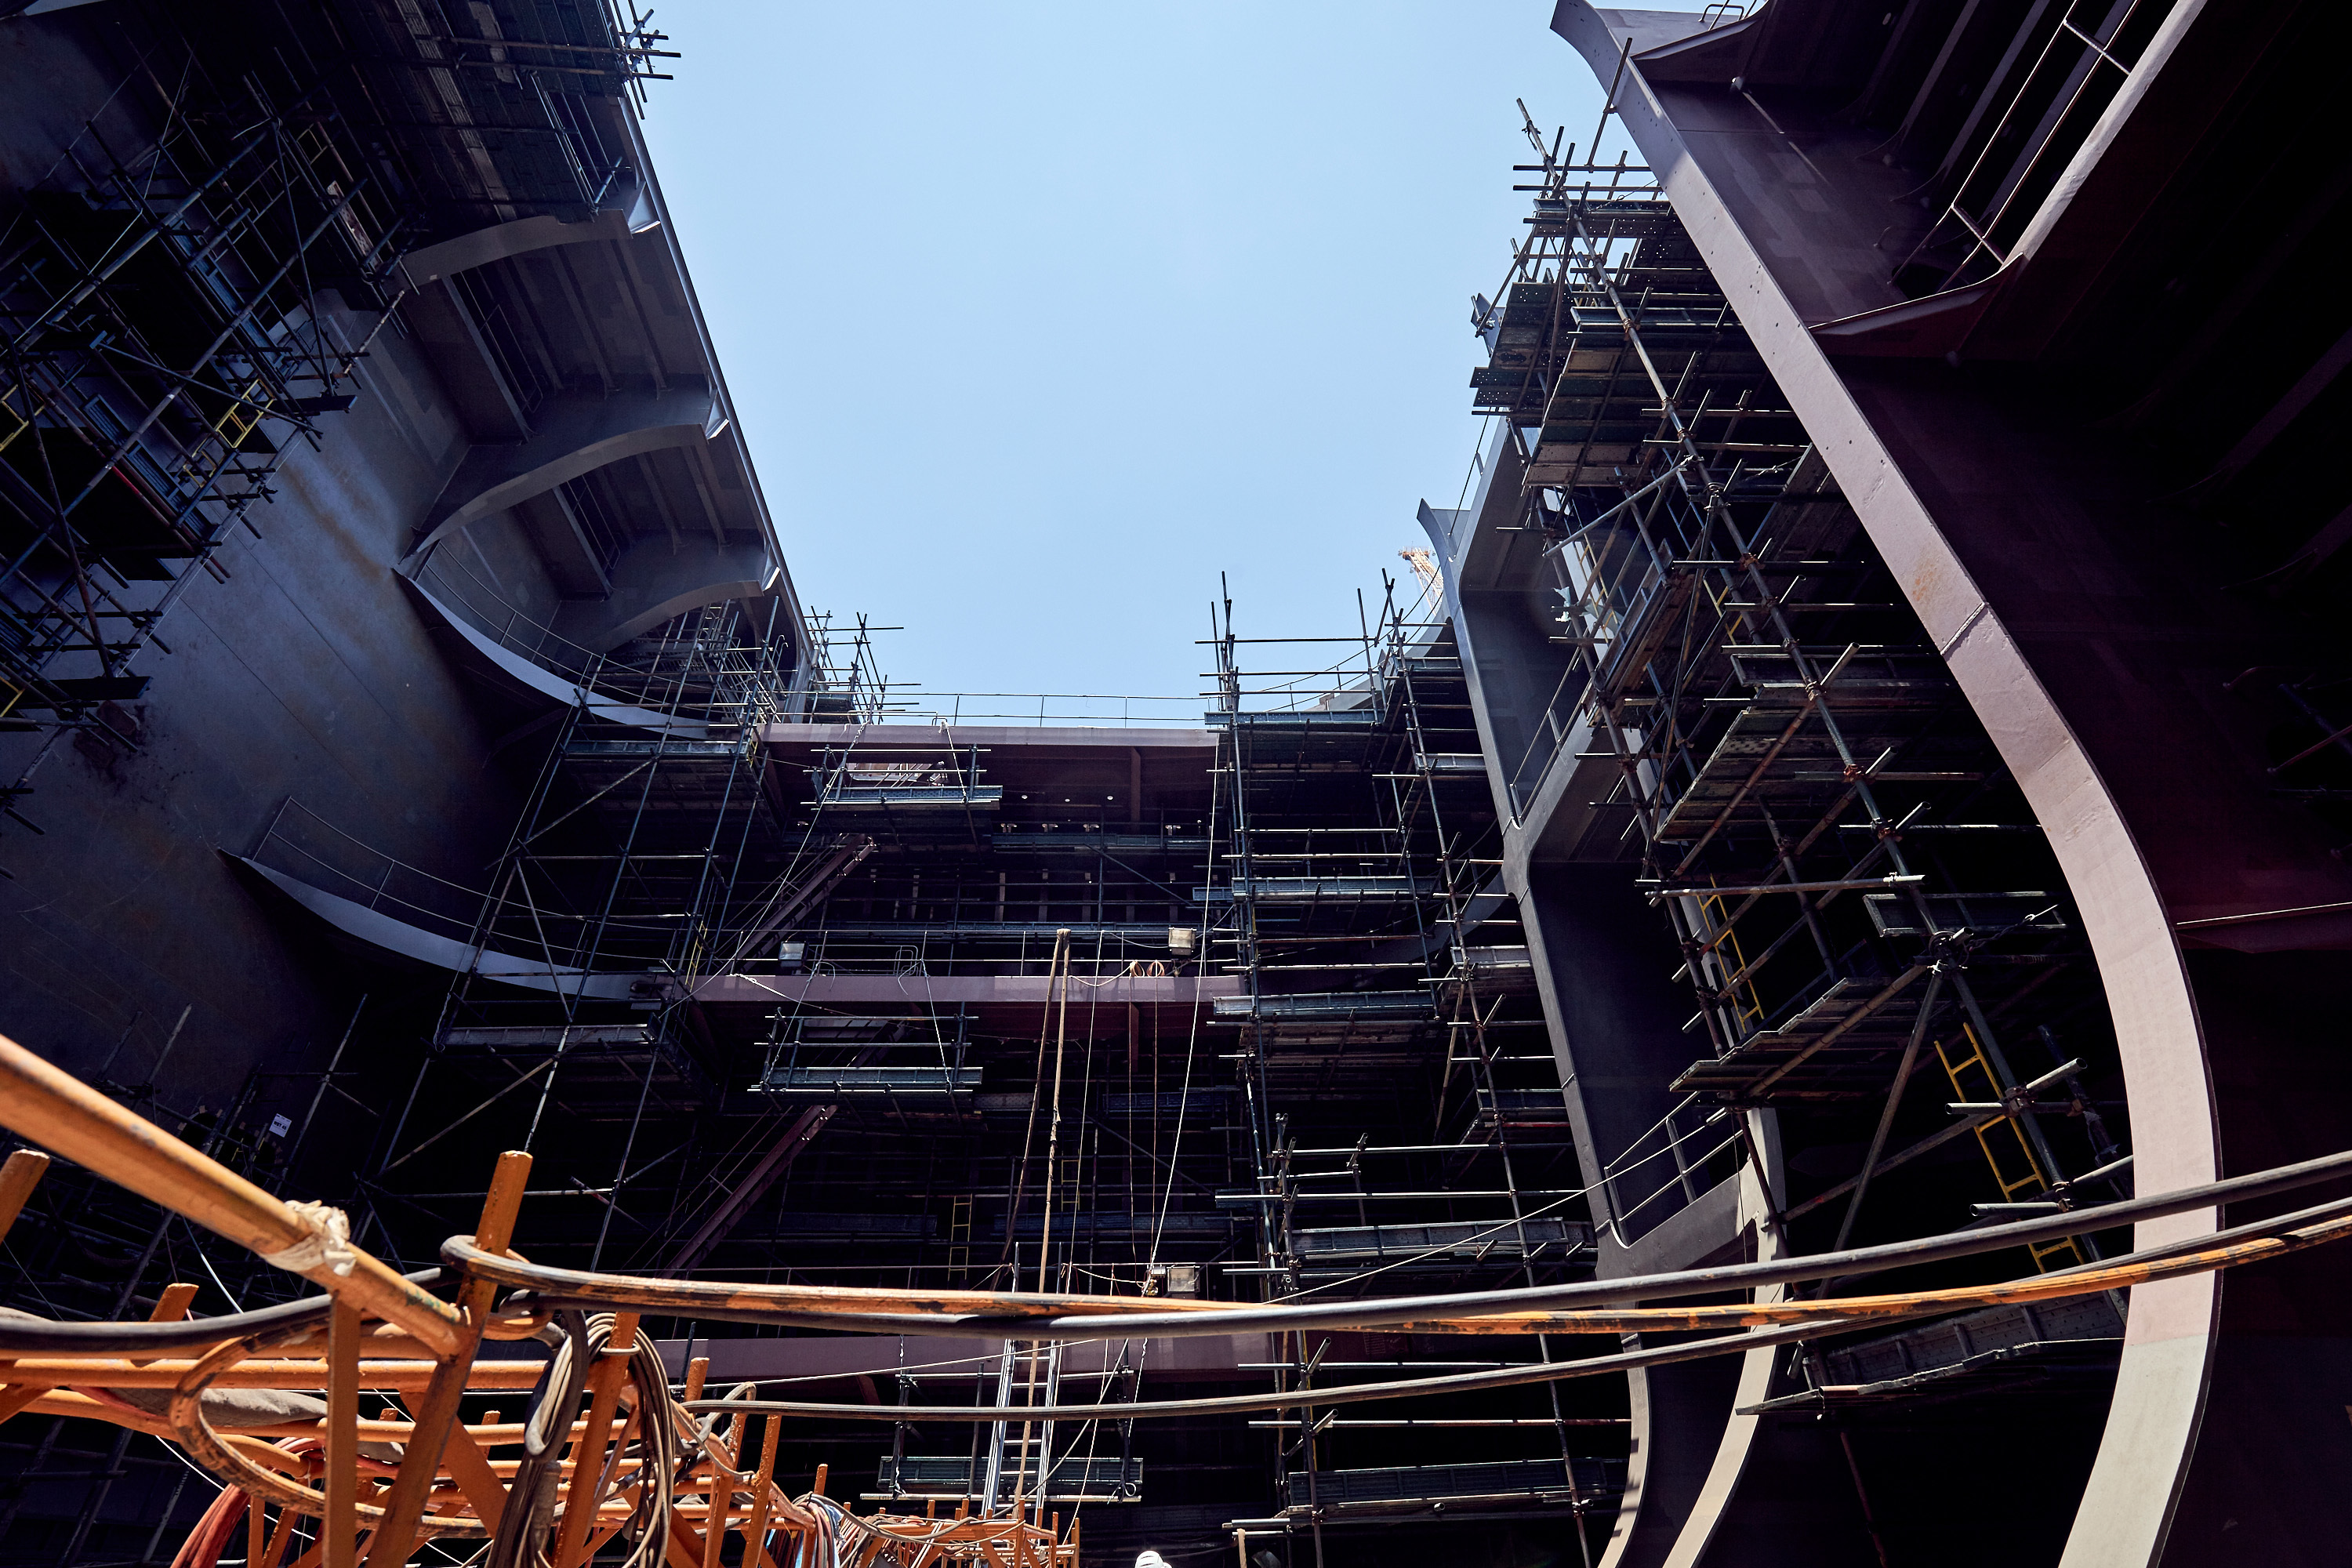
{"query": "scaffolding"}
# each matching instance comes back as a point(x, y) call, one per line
point(162, 351)
point(189, 291)
point(1329, 1071)
point(1405, 1114)
point(718, 943)
point(1741, 697)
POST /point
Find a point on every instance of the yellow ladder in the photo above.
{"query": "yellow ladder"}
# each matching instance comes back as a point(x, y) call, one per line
point(2007, 1150)
point(960, 1236)
point(238, 420)
point(1751, 1010)
point(15, 423)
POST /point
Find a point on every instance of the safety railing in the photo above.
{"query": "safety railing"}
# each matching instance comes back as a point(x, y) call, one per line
point(710, 666)
point(306, 847)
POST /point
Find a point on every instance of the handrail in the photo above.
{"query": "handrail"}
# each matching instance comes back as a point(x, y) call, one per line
point(734, 683)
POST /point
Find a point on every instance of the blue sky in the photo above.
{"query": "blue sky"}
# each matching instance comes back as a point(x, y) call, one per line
point(1039, 317)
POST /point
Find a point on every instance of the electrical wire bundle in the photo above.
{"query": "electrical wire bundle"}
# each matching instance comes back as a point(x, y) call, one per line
point(527, 1525)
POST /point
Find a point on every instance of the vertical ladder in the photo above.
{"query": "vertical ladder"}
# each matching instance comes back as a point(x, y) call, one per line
point(1010, 1471)
point(2015, 1171)
point(993, 1484)
point(1750, 1011)
point(958, 1237)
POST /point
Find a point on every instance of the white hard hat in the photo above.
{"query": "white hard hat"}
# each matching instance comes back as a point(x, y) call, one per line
point(1150, 1560)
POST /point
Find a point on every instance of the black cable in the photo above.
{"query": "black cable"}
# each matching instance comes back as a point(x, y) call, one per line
point(1069, 1316)
point(528, 1525)
point(1508, 1377)
point(35, 1336)
point(1463, 1382)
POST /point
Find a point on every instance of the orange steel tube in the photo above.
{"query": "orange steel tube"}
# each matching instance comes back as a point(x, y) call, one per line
point(723, 1481)
point(19, 1176)
point(338, 1530)
point(232, 1457)
point(588, 1450)
point(259, 1371)
point(755, 1530)
point(436, 1410)
point(53, 1108)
